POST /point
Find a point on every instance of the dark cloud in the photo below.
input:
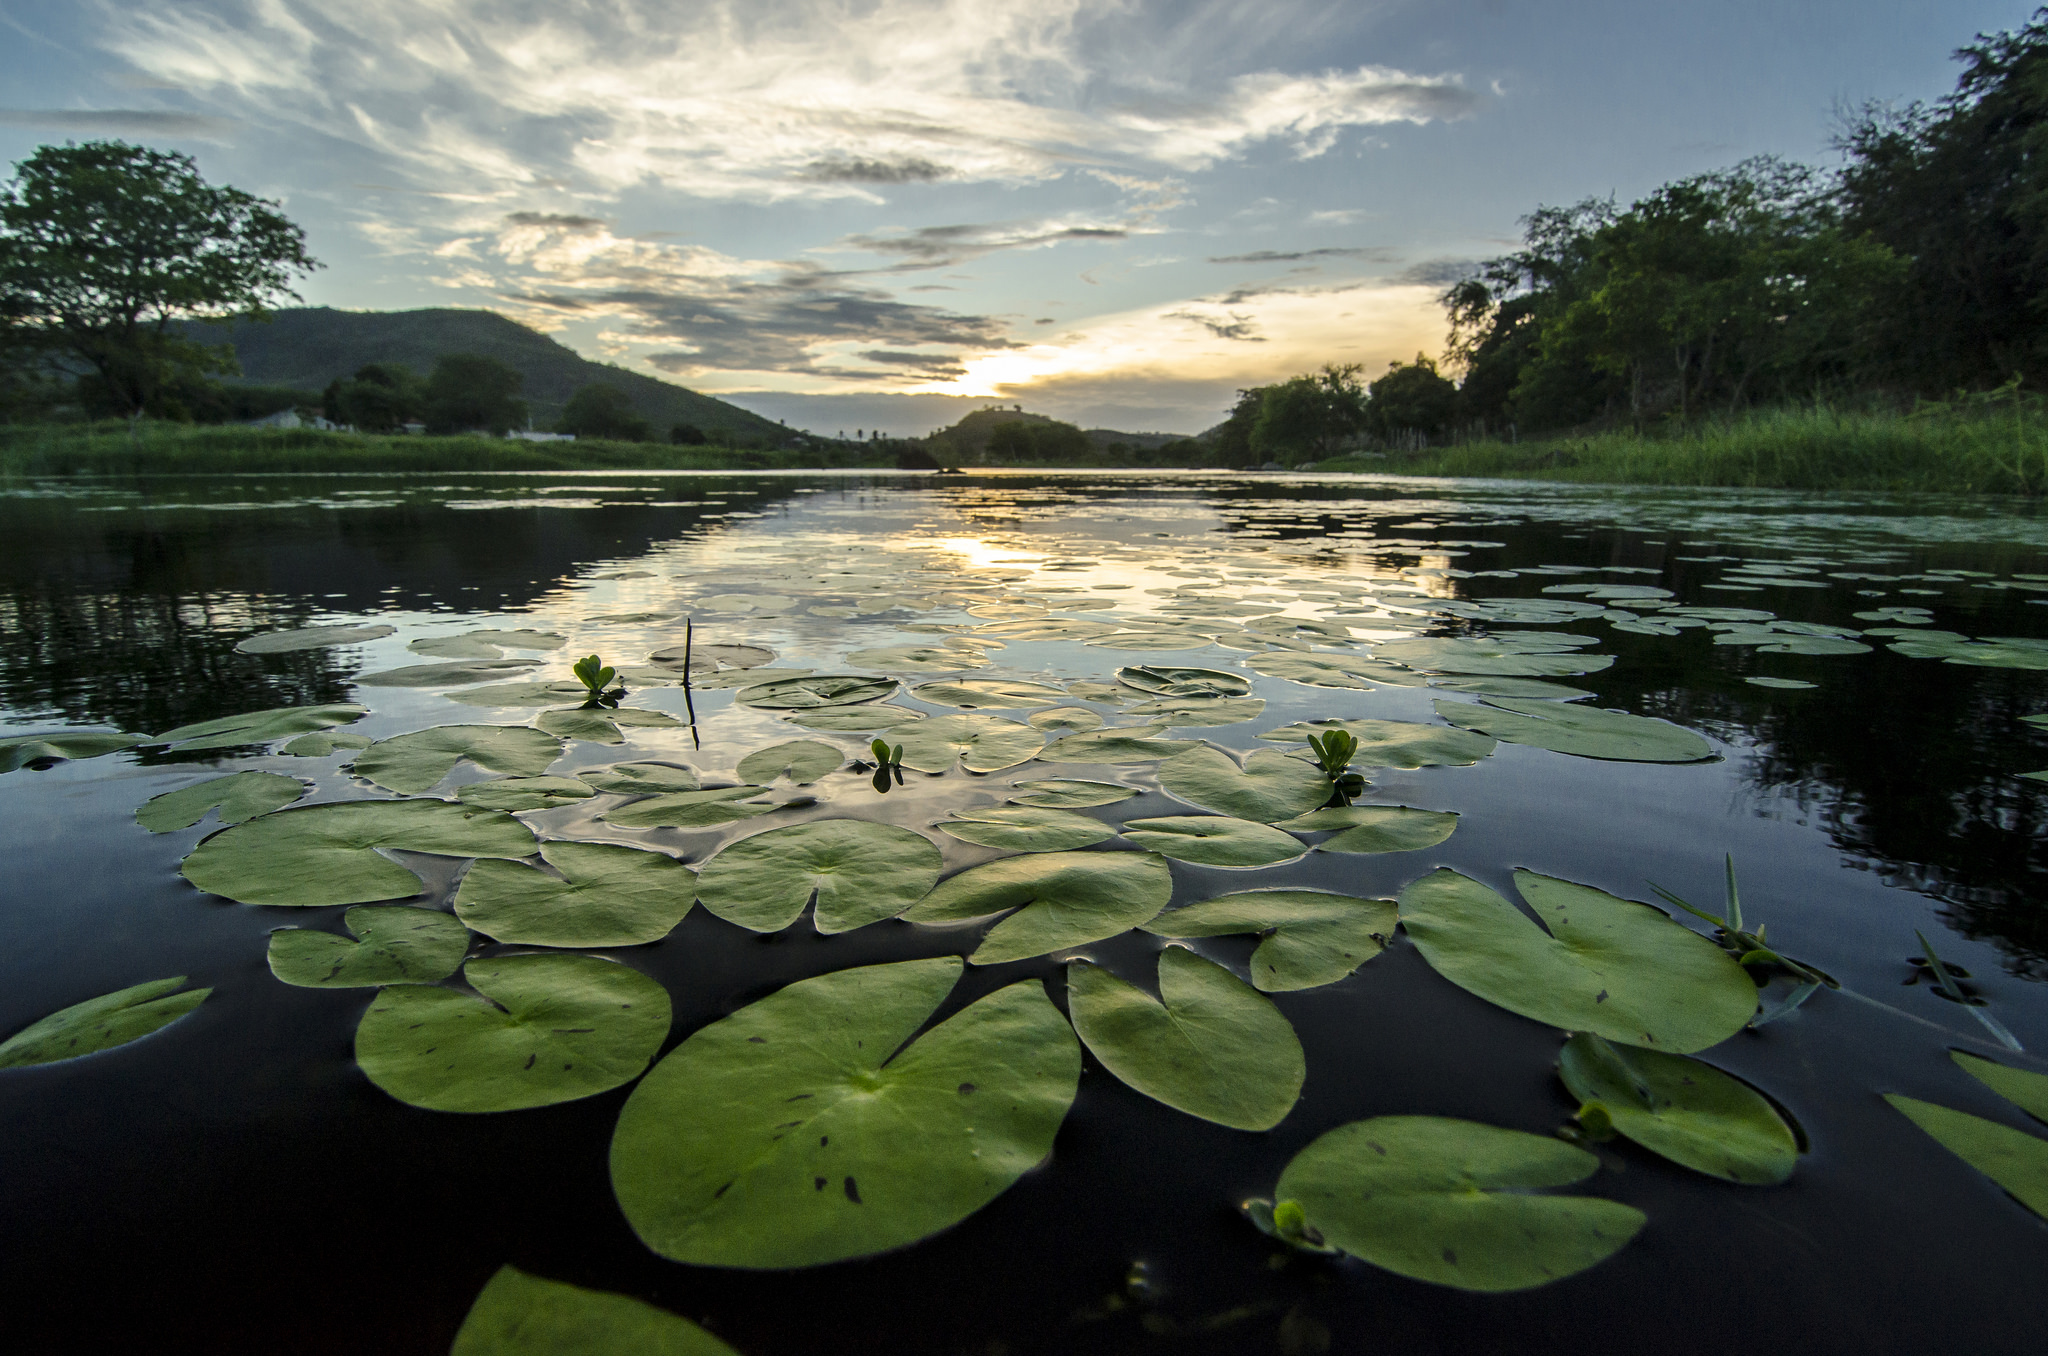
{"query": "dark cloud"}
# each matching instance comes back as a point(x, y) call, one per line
point(942, 246)
point(947, 363)
point(854, 170)
point(1240, 327)
point(135, 121)
point(561, 221)
point(1296, 256)
point(1436, 272)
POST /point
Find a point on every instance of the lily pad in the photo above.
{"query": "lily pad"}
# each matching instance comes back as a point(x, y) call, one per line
point(918, 659)
point(606, 895)
point(1118, 744)
point(824, 689)
point(520, 694)
point(1026, 828)
point(1200, 711)
point(538, 1030)
point(996, 693)
point(1506, 656)
point(395, 944)
point(726, 679)
point(1165, 680)
point(1582, 731)
point(260, 727)
point(1214, 840)
point(1317, 670)
point(1269, 786)
point(21, 750)
point(100, 1023)
point(522, 1315)
point(1311, 937)
point(485, 644)
point(456, 673)
point(855, 719)
point(1534, 688)
point(1785, 684)
point(1209, 1045)
point(1065, 720)
point(1618, 969)
point(310, 638)
point(1687, 1111)
point(1455, 1203)
point(518, 794)
point(711, 658)
point(802, 761)
point(237, 796)
point(325, 745)
point(691, 809)
point(2012, 1158)
point(1396, 743)
point(1375, 828)
point(802, 1129)
point(601, 725)
point(860, 871)
point(322, 855)
point(2024, 1089)
point(1061, 899)
point(414, 762)
point(1056, 794)
point(978, 743)
point(641, 779)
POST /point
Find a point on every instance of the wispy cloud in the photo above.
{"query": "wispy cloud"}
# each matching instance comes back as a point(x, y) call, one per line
point(137, 122)
point(1297, 256)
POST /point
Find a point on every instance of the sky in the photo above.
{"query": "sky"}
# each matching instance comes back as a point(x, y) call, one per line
point(882, 214)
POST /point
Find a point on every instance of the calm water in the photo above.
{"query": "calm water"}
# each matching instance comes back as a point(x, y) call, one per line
point(233, 1182)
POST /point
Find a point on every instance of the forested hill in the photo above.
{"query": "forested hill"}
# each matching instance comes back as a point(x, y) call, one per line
point(308, 347)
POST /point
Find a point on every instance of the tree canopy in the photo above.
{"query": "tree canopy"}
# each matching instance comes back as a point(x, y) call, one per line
point(601, 410)
point(467, 392)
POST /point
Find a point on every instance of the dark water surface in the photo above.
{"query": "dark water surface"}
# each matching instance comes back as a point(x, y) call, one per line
point(234, 1184)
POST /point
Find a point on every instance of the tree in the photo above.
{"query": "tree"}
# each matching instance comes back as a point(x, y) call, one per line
point(687, 435)
point(1310, 415)
point(103, 246)
point(601, 410)
point(1234, 434)
point(467, 392)
point(1411, 398)
point(380, 398)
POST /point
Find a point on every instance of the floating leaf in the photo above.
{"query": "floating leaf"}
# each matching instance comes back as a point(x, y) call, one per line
point(327, 854)
point(602, 725)
point(310, 638)
point(324, 745)
point(414, 762)
point(711, 658)
point(522, 1315)
point(606, 895)
point(396, 944)
point(1396, 743)
point(520, 694)
point(918, 659)
point(485, 644)
point(1506, 656)
point(1317, 670)
point(1066, 720)
point(641, 779)
point(1069, 795)
point(999, 693)
point(1025, 828)
point(1375, 828)
point(1609, 966)
point(1118, 744)
point(802, 1129)
point(1214, 840)
point(801, 694)
point(1311, 937)
point(100, 1023)
point(1786, 684)
point(238, 796)
point(2012, 1158)
point(1209, 1045)
point(1173, 681)
point(855, 719)
point(1512, 687)
point(545, 1029)
point(690, 809)
point(802, 761)
point(744, 678)
point(1453, 1202)
point(979, 743)
point(1583, 731)
point(517, 794)
point(861, 872)
point(260, 727)
point(1269, 786)
point(1200, 711)
point(22, 750)
point(1062, 899)
point(1689, 1112)
point(2024, 1089)
point(457, 673)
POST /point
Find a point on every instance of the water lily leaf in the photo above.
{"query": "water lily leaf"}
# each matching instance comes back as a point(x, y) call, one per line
point(826, 689)
point(1167, 680)
point(1214, 840)
point(601, 725)
point(1062, 899)
point(324, 745)
point(2012, 1158)
point(311, 638)
point(1616, 968)
point(327, 854)
point(1454, 1202)
point(1152, 638)
point(260, 727)
point(517, 794)
point(979, 743)
point(1311, 937)
point(414, 762)
point(1203, 711)
point(606, 895)
point(1269, 786)
point(690, 809)
point(522, 1315)
point(1685, 1110)
point(544, 1029)
point(1506, 656)
point(711, 658)
point(455, 673)
point(100, 1023)
point(2025, 1090)
point(520, 694)
point(395, 944)
point(641, 779)
point(993, 693)
point(918, 659)
point(1512, 687)
point(1118, 744)
point(744, 678)
point(237, 796)
point(860, 871)
point(1317, 670)
point(1396, 743)
point(1582, 731)
point(485, 644)
point(1058, 794)
point(855, 719)
point(1066, 720)
point(1026, 828)
point(21, 750)
point(801, 1130)
point(1785, 684)
point(803, 761)
point(1375, 828)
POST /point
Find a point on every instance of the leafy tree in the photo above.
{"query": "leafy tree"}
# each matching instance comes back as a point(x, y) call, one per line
point(687, 435)
point(104, 245)
point(1037, 440)
point(1234, 437)
point(1411, 398)
point(1310, 415)
point(602, 410)
point(380, 398)
point(468, 392)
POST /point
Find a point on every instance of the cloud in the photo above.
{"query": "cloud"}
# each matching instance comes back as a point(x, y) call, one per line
point(1295, 256)
point(1436, 272)
point(1240, 327)
point(565, 221)
point(944, 246)
point(853, 170)
point(142, 122)
point(947, 364)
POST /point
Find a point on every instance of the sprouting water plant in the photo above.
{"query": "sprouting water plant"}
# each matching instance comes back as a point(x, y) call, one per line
point(1752, 952)
point(596, 677)
point(1945, 982)
point(1334, 752)
point(1286, 1221)
point(888, 764)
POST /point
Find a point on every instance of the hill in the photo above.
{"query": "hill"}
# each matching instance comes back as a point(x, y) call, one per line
point(307, 347)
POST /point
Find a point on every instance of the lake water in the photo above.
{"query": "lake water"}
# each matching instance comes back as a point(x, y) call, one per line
point(233, 1182)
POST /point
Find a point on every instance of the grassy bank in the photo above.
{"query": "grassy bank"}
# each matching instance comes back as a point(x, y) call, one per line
point(1997, 450)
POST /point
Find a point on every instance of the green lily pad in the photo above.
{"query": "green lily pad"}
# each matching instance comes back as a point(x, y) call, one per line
point(517, 794)
point(1209, 1045)
point(324, 745)
point(1061, 899)
point(1375, 828)
point(100, 1023)
point(1065, 720)
point(802, 1129)
point(21, 750)
point(1505, 656)
point(1151, 638)
point(1618, 969)
point(1689, 1112)
point(860, 871)
point(544, 1029)
point(1316, 670)
point(2012, 1158)
point(1534, 688)
point(691, 809)
point(1454, 1202)
point(1200, 711)
point(855, 719)
point(1786, 684)
point(1311, 937)
point(485, 644)
point(2025, 1090)
point(918, 658)
point(260, 727)
point(520, 694)
point(522, 1315)
point(1118, 744)
point(1269, 786)
point(414, 762)
point(322, 855)
point(802, 761)
point(728, 679)
point(237, 796)
point(1026, 828)
point(1166, 680)
point(824, 689)
point(395, 944)
point(599, 725)
point(1396, 743)
point(455, 673)
point(1582, 731)
point(1214, 840)
point(641, 779)
point(996, 693)
point(977, 742)
point(1056, 794)
point(711, 658)
point(311, 638)
point(606, 895)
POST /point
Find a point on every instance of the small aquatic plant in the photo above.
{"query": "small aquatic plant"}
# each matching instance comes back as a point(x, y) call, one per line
point(1945, 984)
point(888, 764)
point(1752, 953)
point(596, 677)
point(1334, 752)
